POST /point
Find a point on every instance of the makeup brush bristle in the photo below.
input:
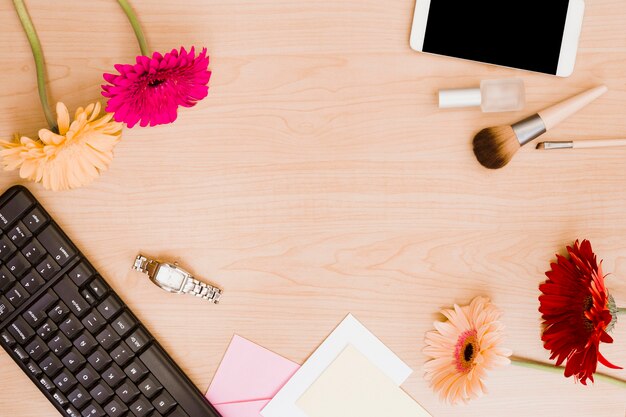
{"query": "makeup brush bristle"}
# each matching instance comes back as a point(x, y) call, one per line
point(495, 146)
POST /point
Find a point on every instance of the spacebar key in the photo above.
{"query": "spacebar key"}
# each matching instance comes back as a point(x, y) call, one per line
point(184, 392)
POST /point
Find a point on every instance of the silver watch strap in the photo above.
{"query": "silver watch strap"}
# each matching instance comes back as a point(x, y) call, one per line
point(202, 290)
point(145, 265)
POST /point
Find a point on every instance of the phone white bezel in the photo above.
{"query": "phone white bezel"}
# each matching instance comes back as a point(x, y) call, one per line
point(569, 45)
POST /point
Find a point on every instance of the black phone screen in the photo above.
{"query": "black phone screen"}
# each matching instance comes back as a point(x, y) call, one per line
point(524, 34)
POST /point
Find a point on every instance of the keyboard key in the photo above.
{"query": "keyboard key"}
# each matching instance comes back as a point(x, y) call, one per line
point(101, 393)
point(65, 381)
point(68, 292)
point(108, 338)
point(19, 234)
point(115, 408)
point(7, 248)
point(32, 281)
point(60, 399)
point(20, 353)
point(122, 354)
point(33, 369)
point(48, 268)
point(58, 312)
point(47, 329)
point(164, 402)
point(94, 322)
point(18, 265)
point(61, 250)
point(14, 208)
point(59, 344)
point(98, 288)
point(178, 412)
point(88, 296)
point(81, 273)
point(21, 331)
point(110, 306)
point(35, 220)
point(37, 348)
point(71, 326)
point(36, 313)
point(179, 387)
point(79, 397)
point(136, 370)
point(51, 365)
point(47, 385)
point(85, 343)
point(150, 387)
point(93, 410)
point(141, 407)
point(73, 360)
point(17, 295)
point(113, 376)
point(124, 323)
point(138, 339)
point(6, 278)
point(6, 339)
point(34, 252)
point(127, 392)
point(99, 359)
point(5, 308)
point(88, 376)
point(71, 411)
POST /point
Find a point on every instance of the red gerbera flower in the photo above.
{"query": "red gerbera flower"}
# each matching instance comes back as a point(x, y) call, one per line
point(150, 91)
point(577, 312)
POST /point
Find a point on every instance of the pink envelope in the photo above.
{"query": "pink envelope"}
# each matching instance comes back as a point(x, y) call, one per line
point(248, 378)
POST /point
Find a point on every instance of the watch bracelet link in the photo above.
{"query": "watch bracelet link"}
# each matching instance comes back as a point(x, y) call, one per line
point(145, 265)
point(202, 290)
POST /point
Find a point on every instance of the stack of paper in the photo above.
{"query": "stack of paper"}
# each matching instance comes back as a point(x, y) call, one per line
point(351, 374)
point(354, 387)
point(247, 379)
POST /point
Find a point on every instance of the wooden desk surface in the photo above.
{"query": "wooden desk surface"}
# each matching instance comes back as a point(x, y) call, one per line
point(318, 178)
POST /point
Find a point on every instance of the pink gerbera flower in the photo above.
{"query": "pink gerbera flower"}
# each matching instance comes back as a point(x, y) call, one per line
point(150, 91)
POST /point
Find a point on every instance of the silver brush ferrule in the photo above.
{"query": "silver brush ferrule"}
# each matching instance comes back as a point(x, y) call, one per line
point(529, 129)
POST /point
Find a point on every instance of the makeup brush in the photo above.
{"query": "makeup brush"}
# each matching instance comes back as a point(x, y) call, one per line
point(582, 144)
point(495, 146)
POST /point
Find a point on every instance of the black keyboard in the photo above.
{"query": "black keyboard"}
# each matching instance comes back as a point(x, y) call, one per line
point(71, 334)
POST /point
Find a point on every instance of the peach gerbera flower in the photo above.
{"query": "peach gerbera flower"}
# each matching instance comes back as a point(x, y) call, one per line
point(70, 159)
point(463, 348)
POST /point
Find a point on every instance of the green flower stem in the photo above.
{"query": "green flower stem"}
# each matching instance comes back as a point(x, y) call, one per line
point(621, 311)
point(134, 22)
point(529, 363)
point(40, 64)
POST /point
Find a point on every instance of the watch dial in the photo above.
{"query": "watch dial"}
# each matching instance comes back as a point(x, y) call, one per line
point(170, 277)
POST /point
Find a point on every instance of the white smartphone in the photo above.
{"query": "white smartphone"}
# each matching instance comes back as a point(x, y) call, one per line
point(533, 35)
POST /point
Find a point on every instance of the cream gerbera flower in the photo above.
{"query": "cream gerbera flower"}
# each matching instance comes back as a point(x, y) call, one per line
point(70, 159)
point(463, 348)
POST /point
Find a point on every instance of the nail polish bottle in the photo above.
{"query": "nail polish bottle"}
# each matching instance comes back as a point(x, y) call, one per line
point(492, 96)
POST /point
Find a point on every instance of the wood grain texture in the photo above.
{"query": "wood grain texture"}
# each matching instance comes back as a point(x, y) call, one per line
point(318, 178)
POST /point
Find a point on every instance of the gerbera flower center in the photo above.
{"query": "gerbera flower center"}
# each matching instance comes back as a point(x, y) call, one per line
point(587, 304)
point(155, 82)
point(465, 351)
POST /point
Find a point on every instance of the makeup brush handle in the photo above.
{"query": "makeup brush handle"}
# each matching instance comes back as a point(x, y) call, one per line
point(605, 143)
point(554, 115)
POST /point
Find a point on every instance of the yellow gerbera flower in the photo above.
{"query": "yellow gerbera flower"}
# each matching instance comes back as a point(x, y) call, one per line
point(70, 159)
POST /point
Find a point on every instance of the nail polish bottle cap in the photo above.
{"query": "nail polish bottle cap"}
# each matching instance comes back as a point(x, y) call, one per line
point(460, 97)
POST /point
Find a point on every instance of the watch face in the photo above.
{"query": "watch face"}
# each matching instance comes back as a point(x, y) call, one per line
point(170, 278)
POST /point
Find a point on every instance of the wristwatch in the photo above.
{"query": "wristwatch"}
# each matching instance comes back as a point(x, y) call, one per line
point(173, 278)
